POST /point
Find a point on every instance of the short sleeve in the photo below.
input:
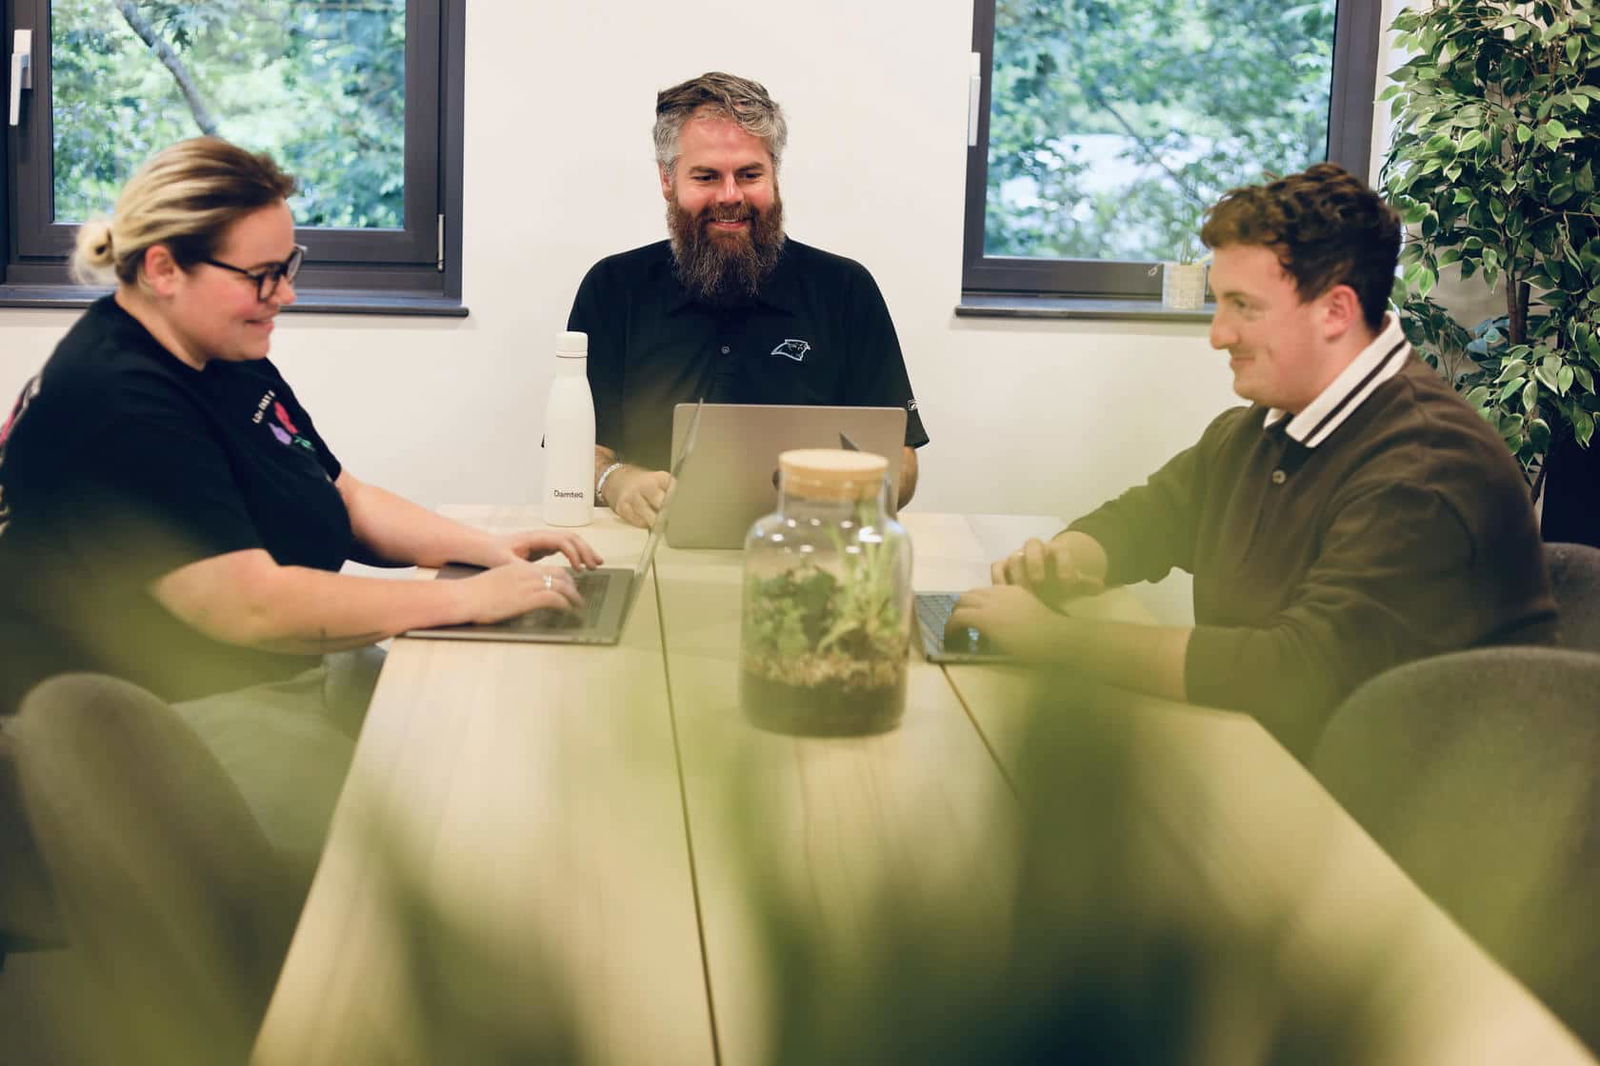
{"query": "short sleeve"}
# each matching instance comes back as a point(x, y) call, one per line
point(878, 375)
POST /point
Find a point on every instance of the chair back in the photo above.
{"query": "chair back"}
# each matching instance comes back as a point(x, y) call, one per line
point(1575, 580)
point(28, 915)
point(1475, 771)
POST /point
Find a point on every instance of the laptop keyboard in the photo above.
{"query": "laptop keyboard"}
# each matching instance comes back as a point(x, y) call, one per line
point(933, 610)
point(595, 586)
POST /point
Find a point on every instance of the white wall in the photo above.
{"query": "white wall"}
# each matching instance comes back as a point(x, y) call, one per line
point(1025, 416)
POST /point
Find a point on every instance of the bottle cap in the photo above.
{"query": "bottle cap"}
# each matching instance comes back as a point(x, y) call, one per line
point(832, 473)
point(572, 344)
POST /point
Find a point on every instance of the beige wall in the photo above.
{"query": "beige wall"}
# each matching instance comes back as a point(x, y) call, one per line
point(1025, 416)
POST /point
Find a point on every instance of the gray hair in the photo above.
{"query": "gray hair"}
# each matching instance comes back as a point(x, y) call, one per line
point(718, 95)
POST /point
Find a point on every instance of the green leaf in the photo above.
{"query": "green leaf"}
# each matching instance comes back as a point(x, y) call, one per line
point(1524, 134)
point(1564, 379)
point(1511, 389)
point(1557, 128)
point(1585, 378)
point(1574, 46)
point(1582, 427)
point(1479, 396)
point(1530, 395)
point(1514, 369)
point(1539, 434)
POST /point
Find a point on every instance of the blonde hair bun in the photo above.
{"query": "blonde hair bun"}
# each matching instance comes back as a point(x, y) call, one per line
point(93, 259)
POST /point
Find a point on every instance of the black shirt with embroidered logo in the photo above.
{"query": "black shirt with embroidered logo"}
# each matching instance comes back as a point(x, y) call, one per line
point(120, 464)
point(818, 333)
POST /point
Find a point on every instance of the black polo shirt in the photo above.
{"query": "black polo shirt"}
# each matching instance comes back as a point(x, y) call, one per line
point(122, 464)
point(819, 333)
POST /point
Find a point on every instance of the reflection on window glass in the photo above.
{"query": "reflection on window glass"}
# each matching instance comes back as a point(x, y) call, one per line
point(1115, 123)
point(318, 83)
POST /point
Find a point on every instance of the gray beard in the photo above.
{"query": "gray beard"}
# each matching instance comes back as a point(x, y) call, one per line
point(725, 273)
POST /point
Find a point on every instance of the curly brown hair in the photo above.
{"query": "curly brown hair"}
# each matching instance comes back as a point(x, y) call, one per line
point(1326, 227)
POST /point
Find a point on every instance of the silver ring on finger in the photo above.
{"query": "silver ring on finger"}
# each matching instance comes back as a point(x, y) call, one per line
point(549, 582)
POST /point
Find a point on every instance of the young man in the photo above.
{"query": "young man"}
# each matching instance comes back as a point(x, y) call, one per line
point(728, 307)
point(1359, 514)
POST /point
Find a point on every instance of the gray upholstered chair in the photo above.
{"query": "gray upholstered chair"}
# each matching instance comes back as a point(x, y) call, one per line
point(172, 901)
point(28, 916)
point(1477, 772)
point(1575, 578)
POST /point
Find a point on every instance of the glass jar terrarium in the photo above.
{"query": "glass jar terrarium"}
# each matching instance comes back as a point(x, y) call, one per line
point(827, 601)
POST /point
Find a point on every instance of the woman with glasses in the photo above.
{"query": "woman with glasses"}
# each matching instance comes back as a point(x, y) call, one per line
point(169, 513)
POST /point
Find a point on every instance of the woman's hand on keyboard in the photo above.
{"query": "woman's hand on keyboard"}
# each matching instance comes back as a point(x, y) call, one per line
point(531, 544)
point(516, 587)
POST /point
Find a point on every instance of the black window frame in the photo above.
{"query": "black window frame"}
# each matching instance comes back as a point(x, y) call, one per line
point(415, 269)
point(1357, 33)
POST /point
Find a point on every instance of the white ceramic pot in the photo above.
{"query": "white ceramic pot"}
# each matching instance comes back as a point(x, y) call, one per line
point(1183, 285)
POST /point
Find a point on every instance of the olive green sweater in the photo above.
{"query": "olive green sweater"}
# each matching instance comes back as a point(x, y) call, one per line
point(1406, 532)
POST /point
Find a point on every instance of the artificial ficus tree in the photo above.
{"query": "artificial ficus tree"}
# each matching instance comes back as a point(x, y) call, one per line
point(1493, 166)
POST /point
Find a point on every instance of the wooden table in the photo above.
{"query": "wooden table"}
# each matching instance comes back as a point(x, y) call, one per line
point(605, 814)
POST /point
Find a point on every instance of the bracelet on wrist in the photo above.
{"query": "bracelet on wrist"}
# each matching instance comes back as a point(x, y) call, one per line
point(600, 483)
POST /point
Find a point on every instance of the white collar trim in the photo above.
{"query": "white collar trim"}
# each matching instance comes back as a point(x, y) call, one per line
point(1377, 363)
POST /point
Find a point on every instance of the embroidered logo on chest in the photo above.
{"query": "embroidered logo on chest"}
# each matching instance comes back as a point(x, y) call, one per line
point(282, 426)
point(793, 349)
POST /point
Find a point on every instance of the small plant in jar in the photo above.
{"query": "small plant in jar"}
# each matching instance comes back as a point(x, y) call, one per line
point(827, 601)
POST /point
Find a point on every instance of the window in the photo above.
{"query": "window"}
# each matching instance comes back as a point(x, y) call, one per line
point(1106, 127)
point(359, 99)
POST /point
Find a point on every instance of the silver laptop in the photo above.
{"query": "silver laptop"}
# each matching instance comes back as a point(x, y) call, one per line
point(734, 480)
point(608, 593)
point(964, 645)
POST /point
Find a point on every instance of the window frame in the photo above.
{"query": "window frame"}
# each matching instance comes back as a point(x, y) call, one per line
point(415, 269)
point(1357, 32)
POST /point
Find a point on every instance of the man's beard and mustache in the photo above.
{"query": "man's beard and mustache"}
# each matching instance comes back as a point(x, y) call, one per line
point(728, 269)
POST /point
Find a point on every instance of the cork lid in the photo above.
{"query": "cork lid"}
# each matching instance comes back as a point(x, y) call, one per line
point(832, 473)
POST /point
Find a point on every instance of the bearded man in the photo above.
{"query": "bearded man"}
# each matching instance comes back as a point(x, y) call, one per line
point(728, 308)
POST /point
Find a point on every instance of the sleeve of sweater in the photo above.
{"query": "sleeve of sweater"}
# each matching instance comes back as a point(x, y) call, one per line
point(1153, 527)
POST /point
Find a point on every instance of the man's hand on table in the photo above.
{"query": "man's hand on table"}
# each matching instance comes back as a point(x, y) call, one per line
point(636, 494)
point(1058, 571)
point(1011, 619)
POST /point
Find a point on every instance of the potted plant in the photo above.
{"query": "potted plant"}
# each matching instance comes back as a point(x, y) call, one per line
point(1493, 167)
point(1183, 280)
point(825, 638)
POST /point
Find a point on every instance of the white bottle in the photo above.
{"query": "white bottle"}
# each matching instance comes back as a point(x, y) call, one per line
point(569, 436)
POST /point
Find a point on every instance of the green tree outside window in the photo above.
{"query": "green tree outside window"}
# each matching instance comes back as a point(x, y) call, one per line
point(1114, 124)
point(318, 83)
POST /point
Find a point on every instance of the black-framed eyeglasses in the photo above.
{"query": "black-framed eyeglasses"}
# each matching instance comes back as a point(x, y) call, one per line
point(268, 277)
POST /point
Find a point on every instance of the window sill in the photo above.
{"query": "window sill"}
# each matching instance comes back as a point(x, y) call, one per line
point(1010, 305)
point(309, 301)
